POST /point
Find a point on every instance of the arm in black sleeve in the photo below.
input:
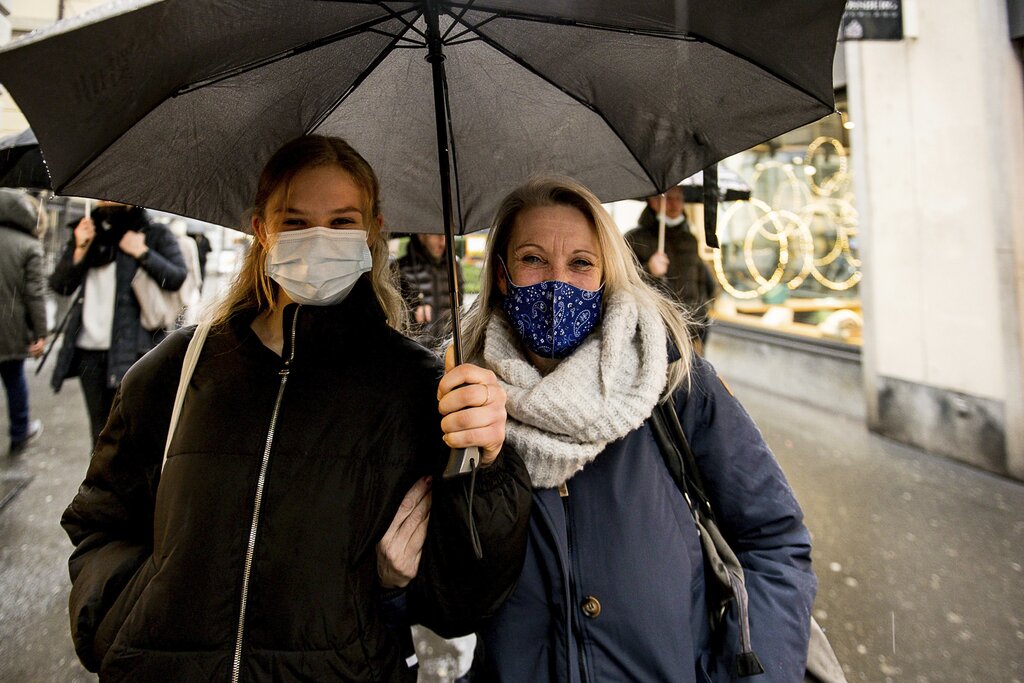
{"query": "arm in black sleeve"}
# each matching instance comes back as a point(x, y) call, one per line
point(453, 590)
point(164, 261)
point(110, 522)
point(67, 275)
point(759, 516)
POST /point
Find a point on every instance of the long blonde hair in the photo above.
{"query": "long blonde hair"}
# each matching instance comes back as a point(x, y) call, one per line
point(619, 266)
point(252, 289)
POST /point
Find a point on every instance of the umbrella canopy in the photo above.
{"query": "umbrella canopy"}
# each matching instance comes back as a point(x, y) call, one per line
point(21, 164)
point(177, 104)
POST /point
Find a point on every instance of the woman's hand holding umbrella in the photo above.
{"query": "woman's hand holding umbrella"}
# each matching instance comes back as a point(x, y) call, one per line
point(473, 405)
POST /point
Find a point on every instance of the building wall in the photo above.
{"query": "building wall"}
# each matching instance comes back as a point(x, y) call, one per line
point(938, 147)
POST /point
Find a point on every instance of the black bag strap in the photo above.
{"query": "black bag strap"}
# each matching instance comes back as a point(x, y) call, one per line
point(682, 465)
point(690, 473)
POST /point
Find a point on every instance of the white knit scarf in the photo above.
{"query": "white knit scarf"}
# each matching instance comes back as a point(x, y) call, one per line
point(559, 422)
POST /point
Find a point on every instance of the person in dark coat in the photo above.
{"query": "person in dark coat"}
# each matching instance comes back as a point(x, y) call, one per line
point(679, 269)
point(22, 310)
point(104, 334)
point(204, 248)
point(307, 461)
point(613, 584)
point(424, 272)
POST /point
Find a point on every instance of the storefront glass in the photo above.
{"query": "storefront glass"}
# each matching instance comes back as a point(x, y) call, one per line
point(789, 259)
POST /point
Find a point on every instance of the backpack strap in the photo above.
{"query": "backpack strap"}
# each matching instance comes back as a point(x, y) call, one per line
point(188, 366)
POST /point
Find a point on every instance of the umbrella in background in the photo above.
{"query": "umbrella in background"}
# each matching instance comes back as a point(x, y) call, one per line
point(723, 185)
point(731, 187)
point(21, 164)
point(177, 104)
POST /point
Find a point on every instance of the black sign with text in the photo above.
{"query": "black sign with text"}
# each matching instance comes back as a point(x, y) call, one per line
point(872, 20)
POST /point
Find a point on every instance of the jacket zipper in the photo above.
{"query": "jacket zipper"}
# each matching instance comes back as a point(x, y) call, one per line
point(575, 627)
point(236, 665)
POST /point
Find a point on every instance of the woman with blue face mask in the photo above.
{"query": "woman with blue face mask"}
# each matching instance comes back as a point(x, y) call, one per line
point(300, 516)
point(612, 587)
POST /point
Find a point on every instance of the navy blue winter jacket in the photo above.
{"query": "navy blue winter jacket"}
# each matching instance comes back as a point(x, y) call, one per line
point(613, 585)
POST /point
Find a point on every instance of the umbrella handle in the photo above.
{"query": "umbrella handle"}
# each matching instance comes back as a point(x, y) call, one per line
point(462, 461)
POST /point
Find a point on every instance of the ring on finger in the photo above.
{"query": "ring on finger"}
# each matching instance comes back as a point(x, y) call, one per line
point(487, 400)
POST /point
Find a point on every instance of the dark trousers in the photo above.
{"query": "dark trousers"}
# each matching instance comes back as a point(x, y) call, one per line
point(99, 396)
point(13, 373)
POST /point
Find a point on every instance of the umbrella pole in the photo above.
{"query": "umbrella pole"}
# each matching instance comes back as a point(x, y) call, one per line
point(661, 226)
point(461, 460)
point(441, 120)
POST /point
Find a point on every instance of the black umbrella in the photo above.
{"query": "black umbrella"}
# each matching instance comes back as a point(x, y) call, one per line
point(21, 164)
point(177, 104)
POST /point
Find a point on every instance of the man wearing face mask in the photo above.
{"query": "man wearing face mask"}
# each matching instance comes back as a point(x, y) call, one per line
point(679, 269)
point(104, 334)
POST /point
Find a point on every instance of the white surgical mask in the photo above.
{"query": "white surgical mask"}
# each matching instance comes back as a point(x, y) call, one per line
point(673, 222)
point(318, 266)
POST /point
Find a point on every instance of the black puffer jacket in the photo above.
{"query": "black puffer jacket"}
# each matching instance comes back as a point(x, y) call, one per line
point(424, 281)
point(128, 340)
point(688, 279)
point(158, 579)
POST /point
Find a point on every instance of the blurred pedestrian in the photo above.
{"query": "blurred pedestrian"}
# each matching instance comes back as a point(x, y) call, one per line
point(290, 520)
point(22, 310)
point(613, 584)
point(191, 289)
point(104, 334)
point(679, 269)
point(424, 270)
point(204, 248)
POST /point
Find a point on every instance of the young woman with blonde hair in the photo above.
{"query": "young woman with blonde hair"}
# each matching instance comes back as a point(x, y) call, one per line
point(290, 517)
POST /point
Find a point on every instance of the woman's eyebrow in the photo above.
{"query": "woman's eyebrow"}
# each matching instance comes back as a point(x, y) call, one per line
point(344, 209)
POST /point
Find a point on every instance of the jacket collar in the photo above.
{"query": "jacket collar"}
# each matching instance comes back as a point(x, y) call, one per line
point(358, 313)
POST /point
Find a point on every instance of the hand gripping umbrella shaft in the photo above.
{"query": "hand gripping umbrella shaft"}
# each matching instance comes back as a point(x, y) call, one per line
point(461, 460)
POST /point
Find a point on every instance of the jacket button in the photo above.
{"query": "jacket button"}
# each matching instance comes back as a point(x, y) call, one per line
point(591, 607)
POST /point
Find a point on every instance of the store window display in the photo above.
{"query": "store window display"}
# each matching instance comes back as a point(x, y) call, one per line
point(789, 255)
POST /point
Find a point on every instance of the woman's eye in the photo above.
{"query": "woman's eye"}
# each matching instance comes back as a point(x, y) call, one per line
point(582, 264)
point(292, 222)
point(531, 259)
point(342, 221)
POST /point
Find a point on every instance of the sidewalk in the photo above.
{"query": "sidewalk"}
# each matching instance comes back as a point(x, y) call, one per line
point(35, 645)
point(919, 558)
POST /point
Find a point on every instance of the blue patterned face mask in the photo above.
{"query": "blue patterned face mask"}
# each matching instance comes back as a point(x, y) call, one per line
point(552, 317)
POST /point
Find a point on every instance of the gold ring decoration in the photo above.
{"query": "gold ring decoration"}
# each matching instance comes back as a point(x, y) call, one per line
point(798, 207)
point(830, 184)
point(791, 183)
point(487, 388)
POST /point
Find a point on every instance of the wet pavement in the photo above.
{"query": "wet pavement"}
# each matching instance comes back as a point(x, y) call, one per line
point(919, 558)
